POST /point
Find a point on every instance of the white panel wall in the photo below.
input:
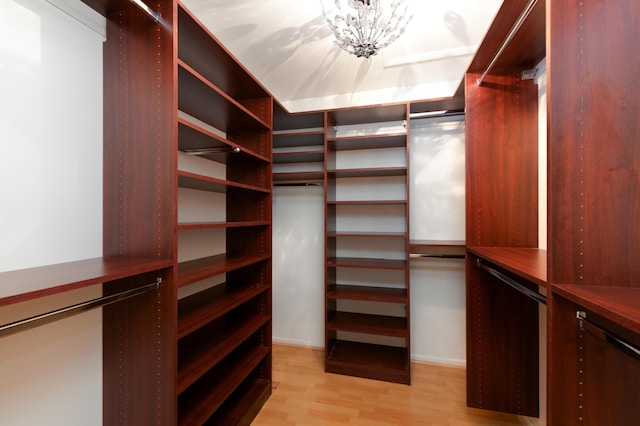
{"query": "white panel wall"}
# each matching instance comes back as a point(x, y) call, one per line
point(50, 203)
point(438, 329)
point(298, 265)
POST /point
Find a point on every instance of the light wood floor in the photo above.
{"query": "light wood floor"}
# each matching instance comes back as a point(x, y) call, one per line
point(305, 395)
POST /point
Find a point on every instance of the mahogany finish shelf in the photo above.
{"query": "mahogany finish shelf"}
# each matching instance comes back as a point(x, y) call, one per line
point(368, 324)
point(201, 400)
point(33, 283)
point(372, 172)
point(528, 263)
point(359, 262)
point(210, 225)
point(202, 308)
point(211, 184)
point(349, 245)
point(199, 269)
point(368, 360)
point(367, 293)
point(196, 358)
point(375, 141)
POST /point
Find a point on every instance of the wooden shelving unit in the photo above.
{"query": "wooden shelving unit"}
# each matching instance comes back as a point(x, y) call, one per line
point(224, 162)
point(298, 147)
point(588, 272)
point(362, 337)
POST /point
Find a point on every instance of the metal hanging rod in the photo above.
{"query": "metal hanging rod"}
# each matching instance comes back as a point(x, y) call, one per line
point(58, 314)
point(516, 285)
point(523, 16)
point(206, 151)
point(437, 114)
point(298, 184)
point(607, 336)
point(437, 255)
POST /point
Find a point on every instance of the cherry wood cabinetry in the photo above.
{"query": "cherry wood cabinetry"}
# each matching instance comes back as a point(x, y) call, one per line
point(588, 273)
point(298, 147)
point(223, 232)
point(367, 243)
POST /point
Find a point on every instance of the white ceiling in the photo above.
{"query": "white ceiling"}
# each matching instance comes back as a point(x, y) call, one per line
point(288, 47)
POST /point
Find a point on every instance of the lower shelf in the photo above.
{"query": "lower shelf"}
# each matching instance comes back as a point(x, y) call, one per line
point(201, 400)
point(370, 361)
point(243, 406)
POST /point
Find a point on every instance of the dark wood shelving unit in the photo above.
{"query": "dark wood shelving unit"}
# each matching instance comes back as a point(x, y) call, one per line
point(349, 334)
point(224, 119)
point(589, 272)
point(298, 147)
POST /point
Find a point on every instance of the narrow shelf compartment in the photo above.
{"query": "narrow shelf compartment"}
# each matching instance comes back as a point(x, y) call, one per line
point(369, 172)
point(301, 138)
point(374, 141)
point(617, 304)
point(243, 406)
point(365, 202)
point(202, 308)
point(32, 283)
point(528, 263)
point(199, 269)
point(197, 353)
point(203, 100)
point(193, 137)
point(312, 156)
point(366, 293)
point(365, 115)
point(298, 177)
point(205, 396)
point(376, 234)
point(368, 360)
point(380, 325)
point(357, 262)
point(206, 183)
point(199, 48)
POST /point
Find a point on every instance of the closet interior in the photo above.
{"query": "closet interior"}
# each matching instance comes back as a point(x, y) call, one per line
point(193, 145)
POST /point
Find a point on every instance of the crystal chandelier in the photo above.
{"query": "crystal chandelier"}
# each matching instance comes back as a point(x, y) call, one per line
point(363, 27)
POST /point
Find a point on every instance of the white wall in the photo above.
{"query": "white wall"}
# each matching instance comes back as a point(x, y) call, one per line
point(298, 265)
point(50, 203)
point(438, 329)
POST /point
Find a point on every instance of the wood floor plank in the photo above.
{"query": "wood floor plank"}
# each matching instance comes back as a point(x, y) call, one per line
point(307, 396)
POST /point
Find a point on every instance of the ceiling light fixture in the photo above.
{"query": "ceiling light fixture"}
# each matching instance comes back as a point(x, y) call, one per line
point(363, 27)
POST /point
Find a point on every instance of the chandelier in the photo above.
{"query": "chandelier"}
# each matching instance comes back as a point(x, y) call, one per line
point(363, 27)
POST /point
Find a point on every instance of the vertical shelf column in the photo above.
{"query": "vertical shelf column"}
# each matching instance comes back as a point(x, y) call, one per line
point(367, 243)
point(139, 333)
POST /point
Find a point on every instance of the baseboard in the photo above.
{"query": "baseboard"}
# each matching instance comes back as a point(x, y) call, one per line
point(299, 343)
point(449, 362)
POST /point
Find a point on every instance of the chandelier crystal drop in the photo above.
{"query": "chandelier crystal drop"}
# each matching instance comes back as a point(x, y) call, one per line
point(363, 27)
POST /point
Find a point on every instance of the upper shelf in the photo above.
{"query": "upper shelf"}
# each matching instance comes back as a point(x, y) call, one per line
point(376, 141)
point(617, 304)
point(200, 98)
point(526, 49)
point(528, 263)
point(27, 284)
point(365, 115)
point(201, 50)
